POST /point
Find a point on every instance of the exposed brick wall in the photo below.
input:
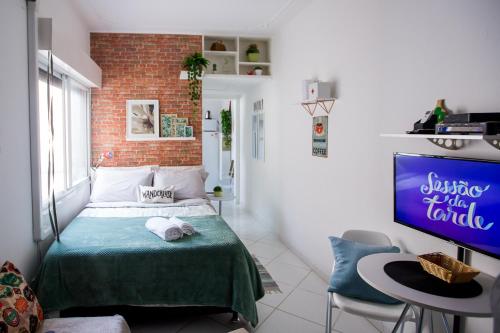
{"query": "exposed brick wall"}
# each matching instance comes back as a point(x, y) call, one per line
point(142, 66)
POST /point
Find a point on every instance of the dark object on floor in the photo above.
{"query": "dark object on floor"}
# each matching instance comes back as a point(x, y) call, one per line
point(412, 275)
point(495, 305)
point(270, 286)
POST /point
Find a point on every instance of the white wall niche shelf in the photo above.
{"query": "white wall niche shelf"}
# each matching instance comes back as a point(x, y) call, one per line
point(234, 62)
point(450, 142)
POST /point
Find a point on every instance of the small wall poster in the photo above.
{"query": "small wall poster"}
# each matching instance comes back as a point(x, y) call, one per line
point(320, 136)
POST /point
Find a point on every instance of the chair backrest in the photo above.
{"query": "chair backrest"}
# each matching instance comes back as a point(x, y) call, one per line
point(367, 237)
point(495, 305)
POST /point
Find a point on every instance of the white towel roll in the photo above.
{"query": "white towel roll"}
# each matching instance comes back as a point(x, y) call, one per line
point(163, 228)
point(186, 227)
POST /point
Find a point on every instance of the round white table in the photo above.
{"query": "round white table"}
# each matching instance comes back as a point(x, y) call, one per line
point(225, 197)
point(371, 269)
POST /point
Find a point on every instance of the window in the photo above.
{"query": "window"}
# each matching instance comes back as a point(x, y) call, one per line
point(70, 114)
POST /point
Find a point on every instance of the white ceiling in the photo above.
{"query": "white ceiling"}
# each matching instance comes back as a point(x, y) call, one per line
point(187, 16)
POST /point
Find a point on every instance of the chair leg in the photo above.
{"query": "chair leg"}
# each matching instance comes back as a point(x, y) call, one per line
point(421, 320)
point(328, 327)
point(401, 318)
point(445, 323)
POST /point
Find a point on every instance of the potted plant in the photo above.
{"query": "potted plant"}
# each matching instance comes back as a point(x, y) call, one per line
point(195, 64)
point(257, 70)
point(226, 128)
point(218, 191)
point(253, 53)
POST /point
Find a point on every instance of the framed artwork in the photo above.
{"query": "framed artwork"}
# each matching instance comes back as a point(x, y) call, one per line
point(320, 136)
point(188, 131)
point(258, 139)
point(166, 125)
point(143, 119)
point(180, 130)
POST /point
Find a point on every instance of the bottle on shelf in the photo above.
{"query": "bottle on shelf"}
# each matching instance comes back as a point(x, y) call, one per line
point(440, 111)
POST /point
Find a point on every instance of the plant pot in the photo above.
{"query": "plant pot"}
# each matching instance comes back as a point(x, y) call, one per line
point(258, 71)
point(218, 194)
point(253, 57)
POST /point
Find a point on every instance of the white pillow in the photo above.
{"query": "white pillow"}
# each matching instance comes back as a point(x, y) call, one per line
point(112, 185)
point(151, 194)
point(200, 168)
point(188, 183)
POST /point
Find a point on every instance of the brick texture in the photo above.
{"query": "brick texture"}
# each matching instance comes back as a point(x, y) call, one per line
point(142, 66)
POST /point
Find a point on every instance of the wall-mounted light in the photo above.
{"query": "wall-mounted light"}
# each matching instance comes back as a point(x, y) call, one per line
point(208, 115)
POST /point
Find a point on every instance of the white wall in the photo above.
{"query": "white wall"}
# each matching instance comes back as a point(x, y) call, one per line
point(16, 238)
point(16, 234)
point(389, 61)
point(70, 38)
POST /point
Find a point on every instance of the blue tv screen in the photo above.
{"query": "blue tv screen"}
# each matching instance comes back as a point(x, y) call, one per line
point(457, 200)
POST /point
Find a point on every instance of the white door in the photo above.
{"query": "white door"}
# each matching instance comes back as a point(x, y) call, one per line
point(211, 159)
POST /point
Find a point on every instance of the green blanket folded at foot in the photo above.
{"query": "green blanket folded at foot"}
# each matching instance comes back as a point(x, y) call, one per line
point(117, 261)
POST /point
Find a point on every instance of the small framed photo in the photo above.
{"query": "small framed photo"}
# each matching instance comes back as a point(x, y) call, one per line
point(188, 130)
point(143, 120)
point(166, 125)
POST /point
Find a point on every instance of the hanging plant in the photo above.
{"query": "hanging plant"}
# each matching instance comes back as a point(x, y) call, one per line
point(195, 64)
point(226, 128)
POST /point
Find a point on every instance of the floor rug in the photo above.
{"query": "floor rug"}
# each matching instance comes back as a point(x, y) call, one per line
point(270, 286)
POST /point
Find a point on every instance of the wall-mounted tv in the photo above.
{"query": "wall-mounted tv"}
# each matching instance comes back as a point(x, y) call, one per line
point(455, 199)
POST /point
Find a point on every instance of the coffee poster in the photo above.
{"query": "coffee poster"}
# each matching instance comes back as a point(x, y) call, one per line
point(320, 136)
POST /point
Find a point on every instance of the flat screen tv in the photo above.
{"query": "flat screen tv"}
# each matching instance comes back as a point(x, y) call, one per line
point(455, 199)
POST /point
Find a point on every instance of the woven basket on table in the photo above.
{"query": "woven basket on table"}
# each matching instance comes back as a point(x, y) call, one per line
point(447, 268)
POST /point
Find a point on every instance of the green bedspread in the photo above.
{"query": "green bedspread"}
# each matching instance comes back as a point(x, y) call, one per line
point(117, 261)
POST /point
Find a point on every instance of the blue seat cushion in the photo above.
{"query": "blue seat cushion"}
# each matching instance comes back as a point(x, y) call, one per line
point(345, 279)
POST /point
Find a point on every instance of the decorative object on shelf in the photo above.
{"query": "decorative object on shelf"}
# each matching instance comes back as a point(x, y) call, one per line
point(426, 125)
point(253, 53)
point(257, 70)
point(143, 119)
point(447, 268)
point(218, 191)
point(228, 66)
point(320, 136)
point(218, 45)
point(440, 111)
point(174, 127)
point(107, 155)
point(226, 128)
point(195, 64)
point(188, 131)
point(166, 125)
point(317, 93)
point(318, 90)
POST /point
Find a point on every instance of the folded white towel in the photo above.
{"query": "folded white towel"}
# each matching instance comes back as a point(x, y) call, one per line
point(163, 228)
point(186, 227)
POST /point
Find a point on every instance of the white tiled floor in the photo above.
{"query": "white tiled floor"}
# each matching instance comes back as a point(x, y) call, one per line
point(300, 308)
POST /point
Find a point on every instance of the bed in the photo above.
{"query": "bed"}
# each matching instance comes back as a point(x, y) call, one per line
point(107, 257)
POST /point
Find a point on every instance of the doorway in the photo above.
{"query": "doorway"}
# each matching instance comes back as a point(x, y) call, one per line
point(220, 143)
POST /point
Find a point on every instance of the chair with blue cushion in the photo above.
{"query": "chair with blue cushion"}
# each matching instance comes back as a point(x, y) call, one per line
point(378, 310)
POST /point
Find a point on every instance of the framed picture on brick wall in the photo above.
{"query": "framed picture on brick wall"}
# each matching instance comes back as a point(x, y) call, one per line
point(143, 119)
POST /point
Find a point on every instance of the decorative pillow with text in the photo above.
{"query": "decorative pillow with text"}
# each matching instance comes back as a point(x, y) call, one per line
point(160, 194)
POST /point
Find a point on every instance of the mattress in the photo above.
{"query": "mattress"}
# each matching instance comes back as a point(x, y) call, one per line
point(103, 260)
